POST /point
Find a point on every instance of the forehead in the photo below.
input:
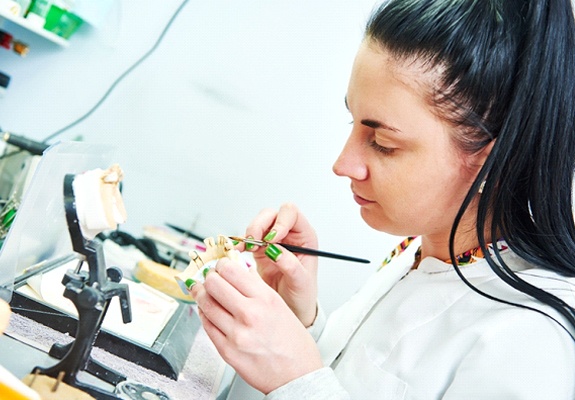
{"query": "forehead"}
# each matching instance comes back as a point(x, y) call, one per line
point(416, 73)
point(379, 76)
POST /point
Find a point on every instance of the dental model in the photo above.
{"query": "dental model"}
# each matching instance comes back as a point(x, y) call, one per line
point(99, 203)
point(202, 262)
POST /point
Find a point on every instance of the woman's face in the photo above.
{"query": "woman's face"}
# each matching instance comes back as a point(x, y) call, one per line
point(406, 173)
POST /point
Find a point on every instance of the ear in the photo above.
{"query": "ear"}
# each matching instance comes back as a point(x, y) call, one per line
point(484, 153)
point(475, 161)
point(480, 159)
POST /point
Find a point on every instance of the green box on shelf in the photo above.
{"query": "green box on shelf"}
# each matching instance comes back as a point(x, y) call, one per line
point(61, 22)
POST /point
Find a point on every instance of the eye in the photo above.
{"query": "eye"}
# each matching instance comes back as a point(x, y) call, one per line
point(380, 149)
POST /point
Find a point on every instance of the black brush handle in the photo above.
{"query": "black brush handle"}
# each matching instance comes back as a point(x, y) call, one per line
point(319, 253)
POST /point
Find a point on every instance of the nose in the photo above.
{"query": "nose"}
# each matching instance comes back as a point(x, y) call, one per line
point(350, 162)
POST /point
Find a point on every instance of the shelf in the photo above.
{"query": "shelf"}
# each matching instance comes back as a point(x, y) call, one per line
point(23, 22)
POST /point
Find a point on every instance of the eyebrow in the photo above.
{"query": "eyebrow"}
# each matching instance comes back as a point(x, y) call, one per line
point(372, 123)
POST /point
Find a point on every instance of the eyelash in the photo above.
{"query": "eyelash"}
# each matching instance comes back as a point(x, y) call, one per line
point(380, 149)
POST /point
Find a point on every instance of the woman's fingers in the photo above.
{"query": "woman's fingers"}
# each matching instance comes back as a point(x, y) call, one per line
point(217, 314)
point(289, 264)
point(261, 224)
point(285, 222)
point(253, 328)
point(231, 285)
point(273, 226)
point(299, 287)
point(212, 330)
point(228, 289)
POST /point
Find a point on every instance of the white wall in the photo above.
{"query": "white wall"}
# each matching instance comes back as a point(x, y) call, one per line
point(240, 108)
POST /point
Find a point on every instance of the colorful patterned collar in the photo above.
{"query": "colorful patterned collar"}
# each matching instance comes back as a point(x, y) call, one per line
point(466, 258)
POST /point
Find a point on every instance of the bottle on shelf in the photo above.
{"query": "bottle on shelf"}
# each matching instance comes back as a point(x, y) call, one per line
point(4, 82)
point(8, 42)
point(5, 40)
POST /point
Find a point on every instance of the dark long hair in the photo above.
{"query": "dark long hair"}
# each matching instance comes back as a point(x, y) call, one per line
point(508, 74)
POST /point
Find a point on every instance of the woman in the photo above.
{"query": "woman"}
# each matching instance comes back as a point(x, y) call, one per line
point(463, 135)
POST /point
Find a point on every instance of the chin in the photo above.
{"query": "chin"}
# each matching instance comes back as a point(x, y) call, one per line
point(373, 221)
point(381, 224)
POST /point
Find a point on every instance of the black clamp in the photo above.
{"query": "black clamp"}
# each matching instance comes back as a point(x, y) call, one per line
point(91, 294)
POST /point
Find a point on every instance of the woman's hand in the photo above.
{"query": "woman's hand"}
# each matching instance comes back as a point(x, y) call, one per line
point(293, 276)
point(253, 328)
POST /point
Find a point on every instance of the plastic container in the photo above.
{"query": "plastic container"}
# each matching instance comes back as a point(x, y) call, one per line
point(38, 12)
point(61, 22)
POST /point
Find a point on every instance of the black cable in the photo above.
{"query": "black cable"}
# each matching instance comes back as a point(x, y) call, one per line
point(114, 84)
point(121, 77)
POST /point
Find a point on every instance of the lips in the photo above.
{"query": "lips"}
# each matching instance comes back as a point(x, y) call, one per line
point(360, 200)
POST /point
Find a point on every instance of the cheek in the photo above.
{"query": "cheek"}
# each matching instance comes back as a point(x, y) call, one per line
point(399, 201)
point(418, 197)
point(442, 194)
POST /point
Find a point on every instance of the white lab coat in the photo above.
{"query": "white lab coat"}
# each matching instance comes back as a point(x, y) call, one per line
point(426, 335)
